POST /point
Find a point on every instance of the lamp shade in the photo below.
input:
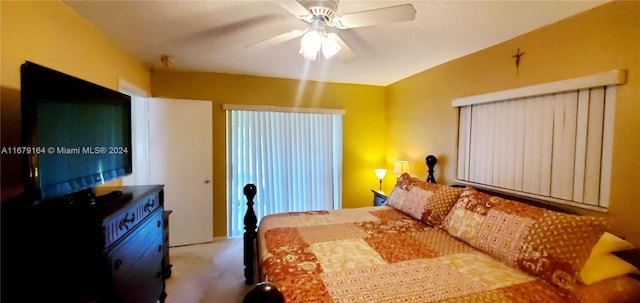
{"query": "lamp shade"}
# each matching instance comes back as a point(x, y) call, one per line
point(401, 167)
point(310, 44)
point(380, 172)
point(329, 47)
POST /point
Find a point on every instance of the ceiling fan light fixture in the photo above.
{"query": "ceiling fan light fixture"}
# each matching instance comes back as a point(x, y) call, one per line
point(310, 44)
point(311, 55)
point(321, 13)
point(330, 48)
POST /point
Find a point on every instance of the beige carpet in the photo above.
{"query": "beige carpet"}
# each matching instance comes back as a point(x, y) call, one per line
point(207, 273)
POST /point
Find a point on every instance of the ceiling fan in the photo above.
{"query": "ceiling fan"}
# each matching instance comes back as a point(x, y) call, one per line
point(321, 13)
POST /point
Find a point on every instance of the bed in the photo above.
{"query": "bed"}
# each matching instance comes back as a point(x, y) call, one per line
point(437, 243)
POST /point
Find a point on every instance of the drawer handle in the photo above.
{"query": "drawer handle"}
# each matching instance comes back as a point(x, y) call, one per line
point(159, 247)
point(149, 205)
point(117, 264)
point(125, 221)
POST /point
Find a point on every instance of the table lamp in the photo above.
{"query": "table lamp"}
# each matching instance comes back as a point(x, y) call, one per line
point(401, 167)
point(380, 173)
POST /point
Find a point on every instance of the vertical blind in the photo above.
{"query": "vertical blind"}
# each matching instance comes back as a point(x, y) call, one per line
point(293, 158)
point(554, 146)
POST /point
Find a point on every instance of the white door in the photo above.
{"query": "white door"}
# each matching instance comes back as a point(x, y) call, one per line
point(180, 157)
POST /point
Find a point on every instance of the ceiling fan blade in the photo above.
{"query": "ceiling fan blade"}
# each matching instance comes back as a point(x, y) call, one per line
point(276, 39)
point(391, 14)
point(296, 9)
point(345, 54)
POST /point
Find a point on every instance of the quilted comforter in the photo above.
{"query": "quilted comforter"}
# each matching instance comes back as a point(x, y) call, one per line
point(379, 254)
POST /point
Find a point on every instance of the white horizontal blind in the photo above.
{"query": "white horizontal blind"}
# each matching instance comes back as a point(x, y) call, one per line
point(552, 146)
point(294, 159)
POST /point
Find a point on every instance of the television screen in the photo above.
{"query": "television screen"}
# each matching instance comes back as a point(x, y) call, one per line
point(78, 133)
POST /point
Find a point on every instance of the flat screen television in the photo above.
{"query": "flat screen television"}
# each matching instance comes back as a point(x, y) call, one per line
point(76, 134)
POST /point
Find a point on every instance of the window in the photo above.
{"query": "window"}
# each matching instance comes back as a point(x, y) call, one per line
point(293, 156)
point(551, 141)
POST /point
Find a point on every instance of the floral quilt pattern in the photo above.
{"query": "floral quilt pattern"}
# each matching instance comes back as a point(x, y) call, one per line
point(379, 254)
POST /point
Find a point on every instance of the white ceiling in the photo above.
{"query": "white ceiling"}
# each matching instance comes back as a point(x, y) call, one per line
point(211, 36)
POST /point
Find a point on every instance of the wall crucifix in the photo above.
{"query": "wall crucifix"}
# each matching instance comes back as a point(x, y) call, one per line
point(517, 57)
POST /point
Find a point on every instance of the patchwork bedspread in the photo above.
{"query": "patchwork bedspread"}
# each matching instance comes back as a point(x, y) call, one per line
point(378, 254)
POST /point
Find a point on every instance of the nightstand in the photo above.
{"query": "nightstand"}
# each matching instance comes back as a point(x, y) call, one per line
point(378, 198)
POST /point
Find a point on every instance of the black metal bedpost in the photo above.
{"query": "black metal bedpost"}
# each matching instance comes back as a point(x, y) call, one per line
point(250, 225)
point(431, 163)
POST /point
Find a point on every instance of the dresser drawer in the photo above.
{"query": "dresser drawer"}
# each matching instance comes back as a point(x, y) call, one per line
point(122, 221)
point(136, 262)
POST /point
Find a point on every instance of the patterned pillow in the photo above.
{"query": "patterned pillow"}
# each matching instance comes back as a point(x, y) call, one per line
point(551, 245)
point(422, 200)
point(403, 183)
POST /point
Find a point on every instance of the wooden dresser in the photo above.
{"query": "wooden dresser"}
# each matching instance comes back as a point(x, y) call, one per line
point(134, 246)
point(108, 251)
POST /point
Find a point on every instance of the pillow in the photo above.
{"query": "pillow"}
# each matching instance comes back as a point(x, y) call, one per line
point(604, 266)
point(422, 200)
point(551, 245)
point(396, 197)
point(610, 243)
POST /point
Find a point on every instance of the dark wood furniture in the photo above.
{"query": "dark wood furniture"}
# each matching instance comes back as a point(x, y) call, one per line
point(378, 198)
point(250, 232)
point(104, 250)
point(166, 264)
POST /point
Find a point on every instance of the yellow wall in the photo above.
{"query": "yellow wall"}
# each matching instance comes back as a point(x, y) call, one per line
point(363, 122)
point(50, 34)
point(420, 119)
